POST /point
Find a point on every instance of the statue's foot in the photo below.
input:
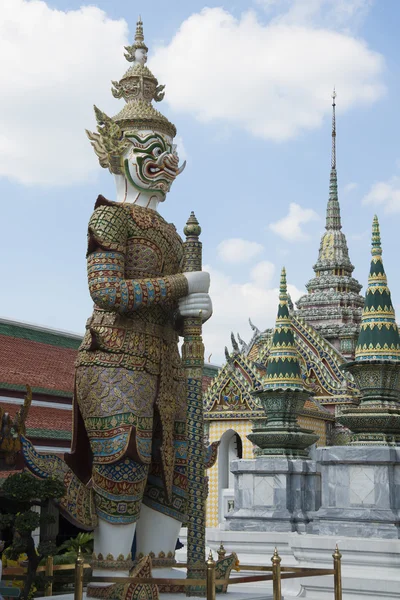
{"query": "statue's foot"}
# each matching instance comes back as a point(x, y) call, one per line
point(127, 591)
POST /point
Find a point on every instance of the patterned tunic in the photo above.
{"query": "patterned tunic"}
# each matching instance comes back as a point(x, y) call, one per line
point(130, 390)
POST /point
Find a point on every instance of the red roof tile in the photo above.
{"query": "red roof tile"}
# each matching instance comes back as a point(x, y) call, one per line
point(36, 364)
point(40, 417)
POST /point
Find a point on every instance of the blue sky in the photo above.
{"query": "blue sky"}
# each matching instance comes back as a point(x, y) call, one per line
point(248, 86)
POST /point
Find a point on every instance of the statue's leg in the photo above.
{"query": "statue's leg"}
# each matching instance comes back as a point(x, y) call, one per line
point(160, 520)
point(117, 409)
point(156, 532)
point(113, 539)
point(119, 489)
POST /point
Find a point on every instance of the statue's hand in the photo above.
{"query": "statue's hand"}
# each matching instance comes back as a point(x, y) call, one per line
point(191, 305)
point(198, 281)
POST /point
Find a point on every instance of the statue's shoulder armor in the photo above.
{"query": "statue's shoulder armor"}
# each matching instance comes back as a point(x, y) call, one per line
point(108, 226)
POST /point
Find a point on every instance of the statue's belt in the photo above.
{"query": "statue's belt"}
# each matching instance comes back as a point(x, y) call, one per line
point(105, 319)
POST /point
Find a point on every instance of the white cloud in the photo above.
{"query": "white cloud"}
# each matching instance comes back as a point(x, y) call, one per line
point(289, 228)
point(385, 194)
point(348, 14)
point(271, 80)
point(54, 65)
point(233, 304)
point(180, 148)
point(262, 272)
point(236, 250)
point(349, 187)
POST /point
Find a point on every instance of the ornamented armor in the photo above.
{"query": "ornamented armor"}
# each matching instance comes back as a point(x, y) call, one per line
point(130, 392)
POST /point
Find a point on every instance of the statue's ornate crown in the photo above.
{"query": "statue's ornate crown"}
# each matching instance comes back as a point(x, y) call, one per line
point(138, 87)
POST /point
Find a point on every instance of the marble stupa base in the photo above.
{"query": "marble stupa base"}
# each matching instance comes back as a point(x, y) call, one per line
point(274, 494)
point(360, 495)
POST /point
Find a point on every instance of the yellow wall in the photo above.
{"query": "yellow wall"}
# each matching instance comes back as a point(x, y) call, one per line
point(316, 425)
point(217, 428)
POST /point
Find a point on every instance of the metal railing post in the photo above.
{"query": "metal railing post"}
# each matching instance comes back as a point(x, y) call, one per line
point(210, 577)
point(78, 589)
point(276, 575)
point(48, 591)
point(337, 565)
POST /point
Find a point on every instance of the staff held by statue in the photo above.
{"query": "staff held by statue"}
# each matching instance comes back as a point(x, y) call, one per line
point(193, 361)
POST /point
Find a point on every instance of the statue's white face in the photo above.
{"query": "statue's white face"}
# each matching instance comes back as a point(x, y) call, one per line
point(140, 56)
point(151, 164)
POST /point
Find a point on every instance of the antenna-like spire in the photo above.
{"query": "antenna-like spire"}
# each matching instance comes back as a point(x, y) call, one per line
point(139, 36)
point(333, 220)
point(333, 157)
point(137, 44)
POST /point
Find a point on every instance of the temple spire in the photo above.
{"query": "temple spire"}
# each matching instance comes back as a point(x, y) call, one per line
point(333, 221)
point(333, 156)
point(379, 336)
point(333, 303)
point(283, 370)
point(283, 395)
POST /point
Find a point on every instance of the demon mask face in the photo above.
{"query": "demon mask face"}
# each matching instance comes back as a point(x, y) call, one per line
point(151, 162)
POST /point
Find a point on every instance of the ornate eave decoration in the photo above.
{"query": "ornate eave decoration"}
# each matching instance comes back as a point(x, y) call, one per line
point(230, 394)
point(320, 363)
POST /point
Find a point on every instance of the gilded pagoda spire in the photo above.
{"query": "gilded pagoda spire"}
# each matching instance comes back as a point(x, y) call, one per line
point(333, 303)
point(379, 335)
point(283, 370)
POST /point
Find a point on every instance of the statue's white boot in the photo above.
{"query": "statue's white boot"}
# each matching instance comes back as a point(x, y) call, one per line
point(110, 538)
point(158, 533)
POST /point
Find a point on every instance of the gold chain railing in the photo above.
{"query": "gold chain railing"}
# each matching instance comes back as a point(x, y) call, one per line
point(277, 573)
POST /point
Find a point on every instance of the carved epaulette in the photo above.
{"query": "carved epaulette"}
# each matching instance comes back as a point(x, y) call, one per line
point(108, 227)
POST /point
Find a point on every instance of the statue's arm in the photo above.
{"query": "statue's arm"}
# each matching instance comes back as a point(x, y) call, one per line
point(106, 269)
point(111, 291)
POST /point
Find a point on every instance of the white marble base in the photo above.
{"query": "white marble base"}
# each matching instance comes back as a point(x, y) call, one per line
point(360, 492)
point(274, 494)
point(243, 592)
point(370, 567)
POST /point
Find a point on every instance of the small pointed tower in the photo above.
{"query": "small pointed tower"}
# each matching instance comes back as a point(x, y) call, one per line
point(283, 395)
point(333, 303)
point(376, 367)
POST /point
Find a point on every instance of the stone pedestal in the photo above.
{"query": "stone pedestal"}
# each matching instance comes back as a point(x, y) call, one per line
point(274, 494)
point(360, 492)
